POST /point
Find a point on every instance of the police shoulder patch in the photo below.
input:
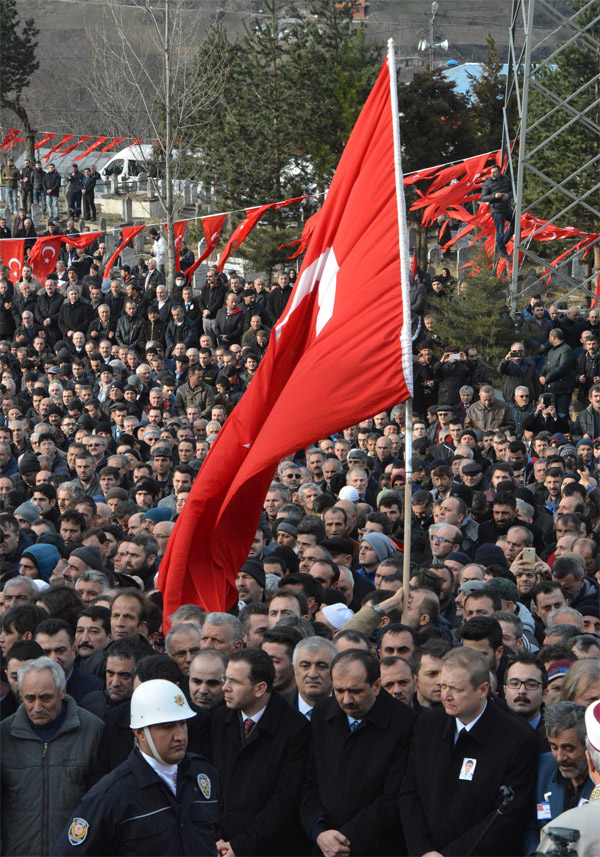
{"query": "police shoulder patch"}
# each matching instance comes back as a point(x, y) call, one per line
point(78, 831)
point(204, 785)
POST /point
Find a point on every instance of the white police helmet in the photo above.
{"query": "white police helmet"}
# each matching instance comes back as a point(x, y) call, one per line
point(158, 701)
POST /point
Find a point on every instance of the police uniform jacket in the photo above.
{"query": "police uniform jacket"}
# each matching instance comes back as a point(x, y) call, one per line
point(131, 811)
point(261, 779)
point(440, 811)
point(353, 778)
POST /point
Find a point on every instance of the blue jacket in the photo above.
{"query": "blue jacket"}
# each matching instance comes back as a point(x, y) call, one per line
point(550, 786)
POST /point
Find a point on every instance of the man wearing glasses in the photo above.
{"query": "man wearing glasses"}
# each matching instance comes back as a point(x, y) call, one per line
point(525, 686)
point(444, 539)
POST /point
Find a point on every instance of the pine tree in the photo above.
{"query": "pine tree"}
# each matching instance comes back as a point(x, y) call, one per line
point(436, 126)
point(487, 100)
point(19, 63)
point(478, 315)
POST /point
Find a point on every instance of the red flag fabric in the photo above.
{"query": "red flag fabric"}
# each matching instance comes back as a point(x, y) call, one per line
point(91, 148)
point(83, 240)
point(179, 228)
point(47, 136)
point(414, 265)
point(305, 387)
point(128, 233)
point(212, 225)
point(241, 232)
point(73, 146)
point(11, 138)
point(57, 146)
point(11, 253)
point(44, 255)
point(114, 143)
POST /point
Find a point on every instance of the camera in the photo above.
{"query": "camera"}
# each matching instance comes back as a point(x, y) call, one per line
point(563, 838)
point(547, 400)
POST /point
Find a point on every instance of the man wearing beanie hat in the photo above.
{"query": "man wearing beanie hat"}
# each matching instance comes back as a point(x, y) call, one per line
point(374, 548)
point(29, 466)
point(27, 514)
point(45, 559)
point(250, 583)
point(585, 819)
point(80, 560)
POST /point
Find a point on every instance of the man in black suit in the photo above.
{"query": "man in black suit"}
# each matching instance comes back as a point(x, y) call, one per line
point(460, 759)
point(88, 193)
point(259, 747)
point(152, 279)
point(359, 751)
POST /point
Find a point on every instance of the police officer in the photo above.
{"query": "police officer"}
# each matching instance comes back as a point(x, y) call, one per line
point(161, 800)
point(585, 818)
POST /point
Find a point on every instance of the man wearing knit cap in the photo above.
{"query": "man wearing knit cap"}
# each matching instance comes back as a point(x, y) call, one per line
point(250, 583)
point(374, 547)
point(27, 514)
point(584, 819)
point(80, 560)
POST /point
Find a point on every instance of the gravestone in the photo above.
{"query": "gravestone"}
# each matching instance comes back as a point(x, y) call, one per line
point(127, 209)
point(36, 215)
point(114, 185)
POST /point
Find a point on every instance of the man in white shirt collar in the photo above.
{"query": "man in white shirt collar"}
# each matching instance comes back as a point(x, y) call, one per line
point(460, 698)
point(312, 668)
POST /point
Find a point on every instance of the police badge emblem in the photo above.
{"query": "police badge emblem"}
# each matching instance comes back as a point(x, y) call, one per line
point(204, 785)
point(179, 700)
point(78, 831)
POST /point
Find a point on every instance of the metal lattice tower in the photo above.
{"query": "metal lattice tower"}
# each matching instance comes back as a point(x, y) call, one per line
point(545, 115)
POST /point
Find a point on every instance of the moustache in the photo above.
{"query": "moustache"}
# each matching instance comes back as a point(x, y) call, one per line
point(522, 699)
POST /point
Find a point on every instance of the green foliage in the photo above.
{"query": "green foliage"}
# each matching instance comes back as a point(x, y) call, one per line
point(18, 44)
point(487, 100)
point(436, 126)
point(290, 99)
point(478, 316)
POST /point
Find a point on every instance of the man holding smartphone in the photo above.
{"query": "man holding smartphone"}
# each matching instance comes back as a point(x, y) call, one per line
point(518, 371)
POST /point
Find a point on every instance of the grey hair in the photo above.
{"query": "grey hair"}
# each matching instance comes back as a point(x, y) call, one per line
point(466, 389)
point(188, 613)
point(564, 631)
point(302, 489)
point(283, 491)
point(506, 616)
point(58, 674)
point(522, 387)
point(74, 490)
point(271, 585)
point(357, 453)
point(235, 626)
point(565, 715)
point(19, 580)
point(90, 575)
point(314, 645)
point(565, 611)
point(184, 626)
point(303, 625)
point(526, 509)
point(594, 754)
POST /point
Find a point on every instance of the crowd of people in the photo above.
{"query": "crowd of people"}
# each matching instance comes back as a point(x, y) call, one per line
point(329, 711)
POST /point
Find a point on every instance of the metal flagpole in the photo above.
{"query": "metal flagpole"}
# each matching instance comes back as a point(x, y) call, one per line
point(405, 337)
